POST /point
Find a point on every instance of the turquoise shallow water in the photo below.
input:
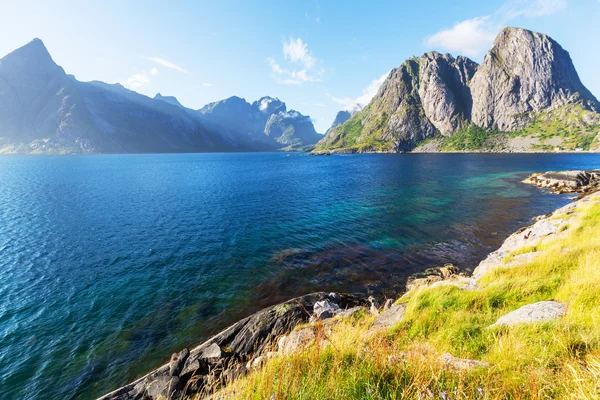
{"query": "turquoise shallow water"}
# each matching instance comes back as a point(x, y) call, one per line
point(109, 263)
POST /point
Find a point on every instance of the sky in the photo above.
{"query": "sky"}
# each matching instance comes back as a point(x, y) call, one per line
point(317, 56)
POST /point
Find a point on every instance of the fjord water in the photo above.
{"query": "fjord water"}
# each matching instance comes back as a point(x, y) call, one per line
point(109, 263)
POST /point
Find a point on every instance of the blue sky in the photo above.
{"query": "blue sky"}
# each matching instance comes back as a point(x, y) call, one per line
point(317, 56)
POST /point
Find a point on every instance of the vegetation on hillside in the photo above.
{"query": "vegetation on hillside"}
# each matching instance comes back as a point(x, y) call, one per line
point(472, 138)
point(567, 128)
point(551, 360)
point(576, 127)
point(348, 136)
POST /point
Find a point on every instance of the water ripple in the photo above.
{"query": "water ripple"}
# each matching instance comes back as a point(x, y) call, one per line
point(110, 263)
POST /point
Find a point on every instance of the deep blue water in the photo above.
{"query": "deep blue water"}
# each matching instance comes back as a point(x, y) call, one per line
point(110, 263)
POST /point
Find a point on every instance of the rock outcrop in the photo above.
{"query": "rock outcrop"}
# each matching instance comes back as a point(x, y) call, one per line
point(526, 77)
point(226, 355)
point(582, 182)
point(542, 311)
point(462, 364)
point(422, 97)
point(444, 90)
point(389, 317)
point(524, 73)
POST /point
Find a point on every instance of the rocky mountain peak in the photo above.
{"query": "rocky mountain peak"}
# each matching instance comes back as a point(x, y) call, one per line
point(269, 105)
point(340, 118)
point(443, 90)
point(523, 73)
point(32, 59)
point(227, 107)
point(168, 99)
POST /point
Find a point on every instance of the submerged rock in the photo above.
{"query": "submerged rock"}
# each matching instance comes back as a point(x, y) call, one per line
point(223, 357)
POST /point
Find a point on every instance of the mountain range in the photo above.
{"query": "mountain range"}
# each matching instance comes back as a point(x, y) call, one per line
point(44, 110)
point(525, 96)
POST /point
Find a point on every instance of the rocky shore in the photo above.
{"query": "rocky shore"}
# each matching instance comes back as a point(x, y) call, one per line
point(581, 182)
point(293, 325)
point(235, 350)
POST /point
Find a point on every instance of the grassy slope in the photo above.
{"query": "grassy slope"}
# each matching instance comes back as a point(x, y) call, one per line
point(350, 135)
point(550, 360)
point(574, 126)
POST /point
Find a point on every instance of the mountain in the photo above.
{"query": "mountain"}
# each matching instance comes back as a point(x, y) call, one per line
point(524, 73)
point(169, 99)
point(340, 118)
point(44, 110)
point(525, 96)
point(266, 122)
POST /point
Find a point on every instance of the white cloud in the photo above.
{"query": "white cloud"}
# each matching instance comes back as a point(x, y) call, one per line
point(154, 71)
point(370, 91)
point(167, 64)
point(136, 81)
point(206, 84)
point(468, 37)
point(340, 100)
point(297, 52)
point(531, 8)
point(301, 64)
point(366, 96)
point(474, 36)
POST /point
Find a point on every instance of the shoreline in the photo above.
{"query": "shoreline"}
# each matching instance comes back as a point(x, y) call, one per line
point(247, 344)
point(334, 152)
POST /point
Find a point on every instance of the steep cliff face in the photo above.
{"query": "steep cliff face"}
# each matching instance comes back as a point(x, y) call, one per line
point(423, 97)
point(527, 84)
point(444, 90)
point(524, 73)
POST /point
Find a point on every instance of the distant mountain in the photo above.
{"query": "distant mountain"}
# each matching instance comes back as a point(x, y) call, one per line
point(344, 115)
point(526, 96)
point(44, 110)
point(266, 121)
point(168, 99)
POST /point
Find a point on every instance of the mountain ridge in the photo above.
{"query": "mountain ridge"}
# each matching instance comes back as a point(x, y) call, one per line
point(44, 110)
point(435, 98)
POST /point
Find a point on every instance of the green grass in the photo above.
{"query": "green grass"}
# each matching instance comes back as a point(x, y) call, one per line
point(469, 139)
point(575, 126)
point(553, 360)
